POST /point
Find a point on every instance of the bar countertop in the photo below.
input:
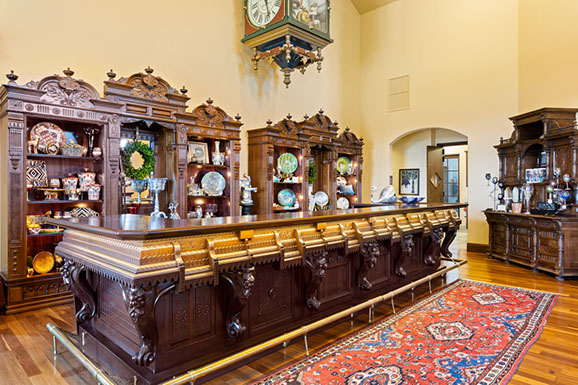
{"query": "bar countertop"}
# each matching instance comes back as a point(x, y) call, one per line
point(140, 227)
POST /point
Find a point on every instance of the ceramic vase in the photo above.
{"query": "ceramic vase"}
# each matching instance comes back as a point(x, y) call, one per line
point(218, 156)
point(94, 192)
point(85, 179)
point(69, 183)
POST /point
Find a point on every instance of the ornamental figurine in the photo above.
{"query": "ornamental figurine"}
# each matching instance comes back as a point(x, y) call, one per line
point(246, 190)
point(173, 210)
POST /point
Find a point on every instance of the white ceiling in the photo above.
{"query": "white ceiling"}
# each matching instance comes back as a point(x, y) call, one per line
point(364, 6)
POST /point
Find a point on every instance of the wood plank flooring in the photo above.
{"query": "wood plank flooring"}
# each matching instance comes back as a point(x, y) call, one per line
point(26, 345)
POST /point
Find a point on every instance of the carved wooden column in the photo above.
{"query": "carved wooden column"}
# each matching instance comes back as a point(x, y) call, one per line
point(432, 250)
point(317, 265)
point(74, 277)
point(16, 198)
point(239, 286)
point(139, 302)
point(180, 189)
point(113, 178)
point(407, 248)
point(369, 254)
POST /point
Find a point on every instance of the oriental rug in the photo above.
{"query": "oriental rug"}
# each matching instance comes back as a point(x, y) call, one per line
point(465, 333)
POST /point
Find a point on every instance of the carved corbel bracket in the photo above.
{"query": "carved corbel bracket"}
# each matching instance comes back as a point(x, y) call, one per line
point(369, 254)
point(317, 265)
point(139, 302)
point(448, 239)
point(433, 247)
point(240, 286)
point(74, 277)
point(407, 247)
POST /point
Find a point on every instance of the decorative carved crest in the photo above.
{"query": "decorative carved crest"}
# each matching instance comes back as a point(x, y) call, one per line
point(209, 115)
point(349, 138)
point(320, 122)
point(288, 127)
point(147, 85)
point(65, 90)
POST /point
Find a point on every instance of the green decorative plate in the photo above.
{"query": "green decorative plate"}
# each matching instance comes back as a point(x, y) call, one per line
point(287, 163)
point(343, 164)
point(287, 197)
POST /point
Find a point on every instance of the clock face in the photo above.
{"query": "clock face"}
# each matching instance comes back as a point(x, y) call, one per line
point(261, 12)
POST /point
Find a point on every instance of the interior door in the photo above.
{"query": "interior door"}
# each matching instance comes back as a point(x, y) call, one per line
point(435, 174)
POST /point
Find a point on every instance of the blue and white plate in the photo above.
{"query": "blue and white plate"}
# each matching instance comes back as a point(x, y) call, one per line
point(213, 183)
point(287, 197)
point(321, 198)
point(287, 163)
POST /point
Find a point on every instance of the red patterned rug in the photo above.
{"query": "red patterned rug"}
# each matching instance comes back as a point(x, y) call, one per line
point(466, 333)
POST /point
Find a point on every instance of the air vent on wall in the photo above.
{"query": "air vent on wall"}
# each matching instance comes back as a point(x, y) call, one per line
point(398, 93)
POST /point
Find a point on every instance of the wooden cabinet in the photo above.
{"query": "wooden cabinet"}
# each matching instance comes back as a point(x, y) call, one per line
point(544, 138)
point(73, 106)
point(540, 242)
point(313, 141)
point(211, 128)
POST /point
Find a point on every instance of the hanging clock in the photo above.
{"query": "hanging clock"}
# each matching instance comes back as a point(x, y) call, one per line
point(291, 32)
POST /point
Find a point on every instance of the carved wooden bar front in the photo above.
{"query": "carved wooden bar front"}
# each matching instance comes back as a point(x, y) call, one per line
point(158, 296)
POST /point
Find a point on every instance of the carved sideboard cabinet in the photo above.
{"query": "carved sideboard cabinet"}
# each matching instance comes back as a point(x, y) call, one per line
point(315, 142)
point(39, 118)
point(544, 139)
point(157, 297)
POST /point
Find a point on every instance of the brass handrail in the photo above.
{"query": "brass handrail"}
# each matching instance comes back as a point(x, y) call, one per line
point(193, 375)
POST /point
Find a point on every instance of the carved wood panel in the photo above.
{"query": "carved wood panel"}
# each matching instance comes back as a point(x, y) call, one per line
point(272, 293)
point(380, 274)
point(548, 247)
point(338, 282)
point(522, 242)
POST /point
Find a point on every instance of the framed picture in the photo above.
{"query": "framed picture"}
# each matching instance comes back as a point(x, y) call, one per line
point(409, 181)
point(198, 152)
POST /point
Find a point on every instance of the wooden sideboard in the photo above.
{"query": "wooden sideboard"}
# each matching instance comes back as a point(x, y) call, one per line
point(545, 243)
point(157, 297)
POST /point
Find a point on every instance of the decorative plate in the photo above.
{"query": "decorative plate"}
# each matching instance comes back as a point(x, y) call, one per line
point(82, 212)
point(43, 262)
point(47, 133)
point(342, 203)
point(287, 197)
point(343, 164)
point(36, 173)
point(213, 183)
point(287, 163)
point(321, 198)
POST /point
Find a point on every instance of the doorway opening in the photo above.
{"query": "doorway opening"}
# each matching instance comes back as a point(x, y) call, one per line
point(438, 158)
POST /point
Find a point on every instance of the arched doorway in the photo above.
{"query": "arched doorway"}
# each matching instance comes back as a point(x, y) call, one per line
point(432, 163)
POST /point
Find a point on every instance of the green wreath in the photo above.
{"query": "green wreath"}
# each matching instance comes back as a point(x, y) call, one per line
point(148, 165)
point(312, 172)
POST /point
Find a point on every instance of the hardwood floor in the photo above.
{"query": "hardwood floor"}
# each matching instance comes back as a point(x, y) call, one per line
point(26, 345)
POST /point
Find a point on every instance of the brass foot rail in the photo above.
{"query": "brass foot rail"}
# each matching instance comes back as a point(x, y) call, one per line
point(193, 375)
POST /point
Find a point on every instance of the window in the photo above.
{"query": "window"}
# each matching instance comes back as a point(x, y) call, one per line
point(451, 178)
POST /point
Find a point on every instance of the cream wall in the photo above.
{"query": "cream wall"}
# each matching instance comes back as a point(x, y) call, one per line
point(193, 43)
point(548, 54)
point(462, 59)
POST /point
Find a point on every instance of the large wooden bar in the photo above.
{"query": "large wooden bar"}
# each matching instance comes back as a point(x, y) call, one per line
point(158, 296)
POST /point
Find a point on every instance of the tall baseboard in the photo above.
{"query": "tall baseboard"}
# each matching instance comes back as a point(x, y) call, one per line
point(477, 247)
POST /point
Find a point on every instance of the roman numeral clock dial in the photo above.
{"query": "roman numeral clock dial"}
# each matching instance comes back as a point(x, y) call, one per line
point(261, 12)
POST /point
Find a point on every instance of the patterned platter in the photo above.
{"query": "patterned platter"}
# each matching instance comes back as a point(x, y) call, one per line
point(47, 133)
point(342, 203)
point(321, 198)
point(287, 163)
point(287, 197)
point(343, 164)
point(213, 183)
